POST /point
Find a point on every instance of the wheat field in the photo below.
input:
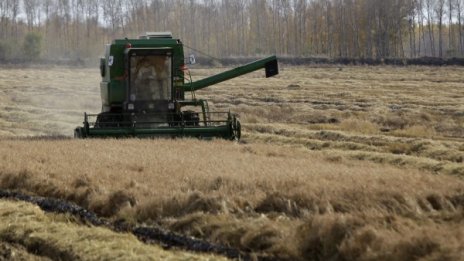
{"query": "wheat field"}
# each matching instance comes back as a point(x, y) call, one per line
point(335, 163)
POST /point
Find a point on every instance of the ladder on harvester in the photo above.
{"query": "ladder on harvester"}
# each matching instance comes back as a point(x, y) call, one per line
point(208, 113)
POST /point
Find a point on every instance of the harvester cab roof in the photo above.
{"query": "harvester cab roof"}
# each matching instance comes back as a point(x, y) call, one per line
point(143, 91)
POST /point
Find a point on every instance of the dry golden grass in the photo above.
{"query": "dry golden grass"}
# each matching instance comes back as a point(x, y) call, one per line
point(416, 111)
point(263, 198)
point(357, 108)
point(390, 98)
point(362, 163)
point(56, 237)
point(10, 251)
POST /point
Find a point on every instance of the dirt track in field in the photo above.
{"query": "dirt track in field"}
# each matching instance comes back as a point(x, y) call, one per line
point(146, 234)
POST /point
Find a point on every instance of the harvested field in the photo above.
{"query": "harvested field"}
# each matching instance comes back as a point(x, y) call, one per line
point(360, 112)
point(336, 163)
point(46, 101)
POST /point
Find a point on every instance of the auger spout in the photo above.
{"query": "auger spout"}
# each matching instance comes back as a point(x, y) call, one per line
point(269, 64)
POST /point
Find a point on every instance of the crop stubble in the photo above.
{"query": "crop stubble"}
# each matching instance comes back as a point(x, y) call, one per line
point(344, 163)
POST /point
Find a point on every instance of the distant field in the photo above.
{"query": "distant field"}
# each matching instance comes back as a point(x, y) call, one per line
point(360, 163)
point(46, 101)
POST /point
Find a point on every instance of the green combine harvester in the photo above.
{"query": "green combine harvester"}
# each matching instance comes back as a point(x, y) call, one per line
point(143, 91)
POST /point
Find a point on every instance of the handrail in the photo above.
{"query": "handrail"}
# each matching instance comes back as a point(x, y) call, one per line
point(144, 120)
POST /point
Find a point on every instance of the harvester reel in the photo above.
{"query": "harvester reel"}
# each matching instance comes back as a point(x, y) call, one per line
point(111, 120)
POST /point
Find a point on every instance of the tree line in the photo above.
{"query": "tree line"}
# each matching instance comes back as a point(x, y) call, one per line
point(78, 29)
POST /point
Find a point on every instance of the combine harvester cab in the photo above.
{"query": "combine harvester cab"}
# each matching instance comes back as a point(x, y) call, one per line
point(143, 89)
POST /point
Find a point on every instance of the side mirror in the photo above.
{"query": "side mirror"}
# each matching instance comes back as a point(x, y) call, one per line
point(191, 59)
point(102, 67)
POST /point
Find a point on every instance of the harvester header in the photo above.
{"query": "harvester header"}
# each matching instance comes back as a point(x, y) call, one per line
point(143, 92)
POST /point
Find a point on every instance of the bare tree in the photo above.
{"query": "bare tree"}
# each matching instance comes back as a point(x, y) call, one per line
point(460, 11)
point(348, 28)
point(112, 12)
point(421, 18)
point(91, 9)
point(9, 10)
point(412, 15)
point(440, 12)
point(31, 8)
point(430, 7)
point(450, 25)
point(370, 20)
